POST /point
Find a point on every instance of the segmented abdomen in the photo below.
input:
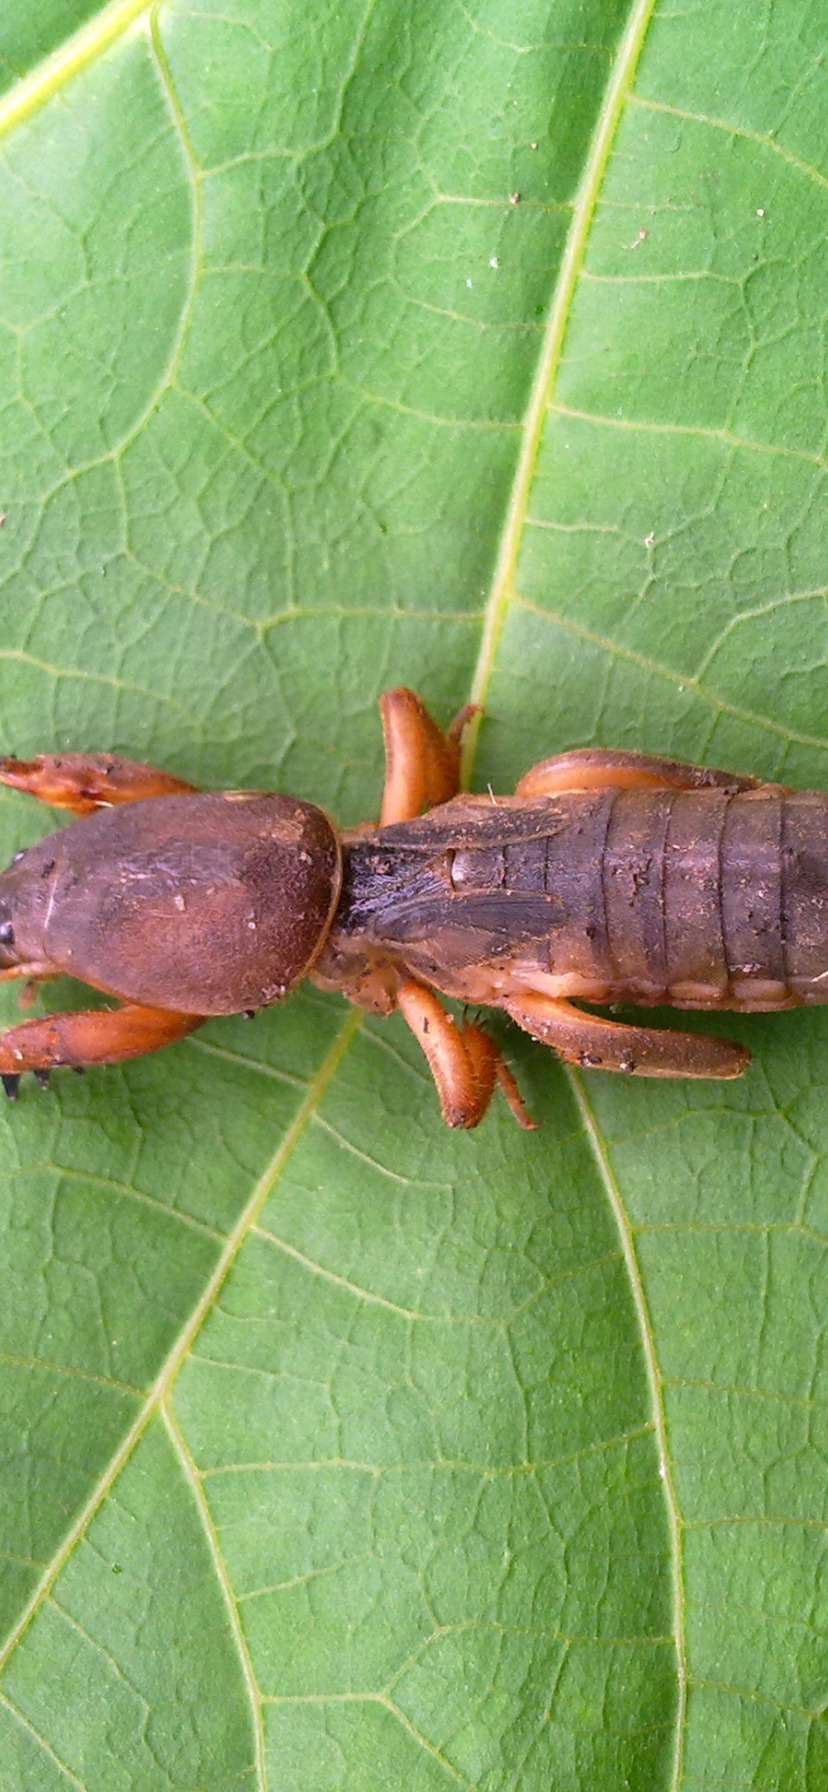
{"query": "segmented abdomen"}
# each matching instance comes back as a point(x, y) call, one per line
point(696, 898)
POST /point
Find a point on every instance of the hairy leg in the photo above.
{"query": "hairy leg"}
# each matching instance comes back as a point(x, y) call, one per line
point(596, 768)
point(596, 1043)
point(422, 765)
point(86, 781)
point(91, 1036)
point(464, 1062)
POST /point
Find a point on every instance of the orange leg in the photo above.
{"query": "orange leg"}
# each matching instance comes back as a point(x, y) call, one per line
point(595, 1043)
point(36, 971)
point(86, 781)
point(93, 1036)
point(594, 768)
point(464, 1062)
point(30, 975)
point(422, 765)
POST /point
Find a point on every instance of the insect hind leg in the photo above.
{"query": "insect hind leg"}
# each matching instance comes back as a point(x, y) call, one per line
point(595, 1043)
point(599, 768)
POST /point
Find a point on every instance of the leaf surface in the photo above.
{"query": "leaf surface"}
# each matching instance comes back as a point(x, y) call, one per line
point(481, 348)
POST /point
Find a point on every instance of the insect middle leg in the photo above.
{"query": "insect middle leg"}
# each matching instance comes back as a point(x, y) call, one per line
point(91, 1036)
point(422, 764)
point(464, 1062)
point(86, 781)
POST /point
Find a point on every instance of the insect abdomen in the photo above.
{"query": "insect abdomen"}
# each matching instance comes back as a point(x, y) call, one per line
point(711, 898)
point(707, 898)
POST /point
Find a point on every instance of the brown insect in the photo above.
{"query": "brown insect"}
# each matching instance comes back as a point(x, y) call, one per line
point(607, 877)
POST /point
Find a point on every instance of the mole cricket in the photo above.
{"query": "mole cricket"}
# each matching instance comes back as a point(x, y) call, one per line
point(608, 877)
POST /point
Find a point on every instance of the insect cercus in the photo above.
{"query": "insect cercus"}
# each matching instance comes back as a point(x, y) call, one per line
point(607, 877)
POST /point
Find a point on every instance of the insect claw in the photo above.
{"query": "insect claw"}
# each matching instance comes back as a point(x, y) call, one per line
point(11, 1086)
point(42, 1078)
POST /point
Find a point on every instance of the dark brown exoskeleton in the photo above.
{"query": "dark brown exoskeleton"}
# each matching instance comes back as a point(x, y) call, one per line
point(607, 877)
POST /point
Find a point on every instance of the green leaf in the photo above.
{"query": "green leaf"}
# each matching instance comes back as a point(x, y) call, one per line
point(479, 347)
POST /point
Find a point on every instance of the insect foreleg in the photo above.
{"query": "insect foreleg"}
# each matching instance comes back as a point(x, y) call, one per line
point(86, 781)
point(91, 1036)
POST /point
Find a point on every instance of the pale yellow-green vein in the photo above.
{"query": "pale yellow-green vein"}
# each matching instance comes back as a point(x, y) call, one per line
point(69, 59)
point(656, 1387)
point(503, 584)
point(223, 1577)
point(165, 1379)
